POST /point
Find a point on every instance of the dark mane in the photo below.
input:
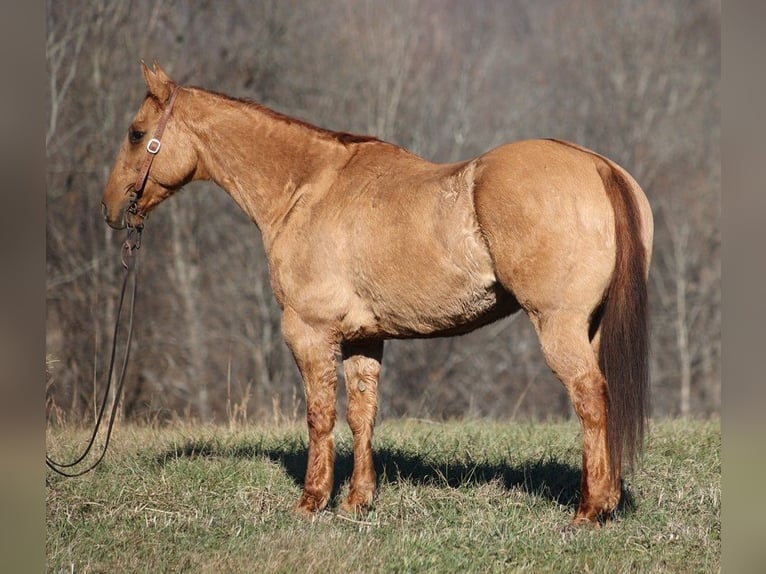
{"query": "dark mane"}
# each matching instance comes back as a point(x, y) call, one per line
point(344, 138)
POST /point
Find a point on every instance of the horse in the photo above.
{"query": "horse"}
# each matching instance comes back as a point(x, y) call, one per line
point(366, 241)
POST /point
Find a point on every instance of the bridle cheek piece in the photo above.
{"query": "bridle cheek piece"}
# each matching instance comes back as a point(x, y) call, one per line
point(152, 149)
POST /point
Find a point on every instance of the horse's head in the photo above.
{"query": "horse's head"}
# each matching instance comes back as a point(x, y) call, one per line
point(156, 158)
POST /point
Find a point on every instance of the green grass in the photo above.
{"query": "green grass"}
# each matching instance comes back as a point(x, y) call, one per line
point(453, 497)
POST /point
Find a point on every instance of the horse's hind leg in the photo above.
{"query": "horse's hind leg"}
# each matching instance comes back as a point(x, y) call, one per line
point(361, 368)
point(571, 356)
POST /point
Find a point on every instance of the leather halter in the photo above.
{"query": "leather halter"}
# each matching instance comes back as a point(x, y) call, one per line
point(153, 146)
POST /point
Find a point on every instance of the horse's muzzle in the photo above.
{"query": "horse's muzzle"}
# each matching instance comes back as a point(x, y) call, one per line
point(114, 223)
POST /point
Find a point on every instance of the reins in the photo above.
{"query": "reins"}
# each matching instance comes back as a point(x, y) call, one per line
point(129, 259)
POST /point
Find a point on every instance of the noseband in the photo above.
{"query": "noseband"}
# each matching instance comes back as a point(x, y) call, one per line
point(152, 148)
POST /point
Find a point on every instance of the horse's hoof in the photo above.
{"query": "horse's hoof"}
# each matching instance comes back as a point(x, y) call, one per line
point(351, 510)
point(310, 505)
point(578, 524)
point(304, 511)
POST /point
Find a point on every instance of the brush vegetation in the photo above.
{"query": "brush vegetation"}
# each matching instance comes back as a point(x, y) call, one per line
point(470, 496)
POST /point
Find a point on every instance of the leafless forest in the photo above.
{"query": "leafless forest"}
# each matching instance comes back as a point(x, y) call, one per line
point(637, 81)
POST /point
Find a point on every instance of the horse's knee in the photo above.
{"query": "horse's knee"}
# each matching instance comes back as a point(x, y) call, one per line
point(321, 418)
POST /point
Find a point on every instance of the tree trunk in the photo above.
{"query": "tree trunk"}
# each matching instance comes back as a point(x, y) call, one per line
point(186, 271)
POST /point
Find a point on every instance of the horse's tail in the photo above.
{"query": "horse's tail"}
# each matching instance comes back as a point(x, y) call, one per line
point(623, 319)
point(624, 325)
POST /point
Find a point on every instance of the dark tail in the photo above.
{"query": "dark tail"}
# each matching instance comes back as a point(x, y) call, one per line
point(624, 348)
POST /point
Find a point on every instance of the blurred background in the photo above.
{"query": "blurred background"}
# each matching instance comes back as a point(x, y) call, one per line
point(448, 79)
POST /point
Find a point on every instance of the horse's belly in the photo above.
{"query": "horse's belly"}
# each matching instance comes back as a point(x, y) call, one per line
point(424, 294)
point(452, 317)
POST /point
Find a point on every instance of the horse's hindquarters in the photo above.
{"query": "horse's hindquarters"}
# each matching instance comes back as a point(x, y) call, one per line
point(549, 224)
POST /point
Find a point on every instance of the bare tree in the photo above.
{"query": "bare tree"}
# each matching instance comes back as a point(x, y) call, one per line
point(448, 79)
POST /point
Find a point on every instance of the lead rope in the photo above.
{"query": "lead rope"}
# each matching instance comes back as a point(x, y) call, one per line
point(129, 258)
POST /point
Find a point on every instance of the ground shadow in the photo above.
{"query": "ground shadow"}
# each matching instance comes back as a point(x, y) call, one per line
point(548, 478)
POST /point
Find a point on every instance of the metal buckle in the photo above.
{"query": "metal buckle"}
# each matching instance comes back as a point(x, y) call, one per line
point(153, 146)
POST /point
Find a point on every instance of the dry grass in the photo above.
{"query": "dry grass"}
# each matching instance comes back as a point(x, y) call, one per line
point(462, 496)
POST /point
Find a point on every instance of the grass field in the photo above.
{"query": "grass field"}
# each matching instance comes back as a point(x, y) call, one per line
point(470, 496)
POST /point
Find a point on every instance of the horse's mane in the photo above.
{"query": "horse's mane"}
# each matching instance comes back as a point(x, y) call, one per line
point(344, 138)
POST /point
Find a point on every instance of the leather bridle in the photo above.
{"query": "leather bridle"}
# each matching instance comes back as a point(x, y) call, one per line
point(152, 148)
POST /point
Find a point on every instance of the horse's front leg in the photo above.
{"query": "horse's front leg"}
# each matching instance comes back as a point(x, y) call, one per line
point(314, 348)
point(361, 367)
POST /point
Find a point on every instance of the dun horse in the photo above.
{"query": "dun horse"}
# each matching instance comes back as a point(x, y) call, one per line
point(366, 242)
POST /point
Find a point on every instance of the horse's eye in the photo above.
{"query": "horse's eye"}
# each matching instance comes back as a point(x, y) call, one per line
point(135, 136)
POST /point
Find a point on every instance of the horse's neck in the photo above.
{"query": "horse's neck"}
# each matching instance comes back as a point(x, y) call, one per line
point(259, 158)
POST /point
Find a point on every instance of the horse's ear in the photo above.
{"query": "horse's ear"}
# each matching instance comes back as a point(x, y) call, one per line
point(158, 82)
